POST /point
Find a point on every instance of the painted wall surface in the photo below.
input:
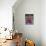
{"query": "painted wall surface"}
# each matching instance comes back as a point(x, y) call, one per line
point(43, 22)
point(6, 13)
point(29, 31)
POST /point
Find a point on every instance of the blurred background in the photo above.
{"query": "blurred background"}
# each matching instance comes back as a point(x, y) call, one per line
point(19, 8)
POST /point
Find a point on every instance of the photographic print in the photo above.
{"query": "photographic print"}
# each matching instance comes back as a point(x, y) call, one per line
point(29, 19)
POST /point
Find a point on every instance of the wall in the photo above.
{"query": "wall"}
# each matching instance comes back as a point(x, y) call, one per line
point(43, 22)
point(6, 13)
point(29, 31)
